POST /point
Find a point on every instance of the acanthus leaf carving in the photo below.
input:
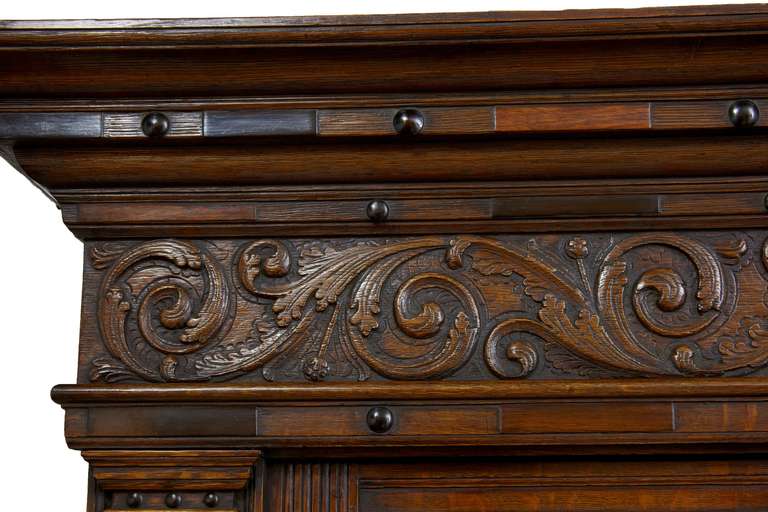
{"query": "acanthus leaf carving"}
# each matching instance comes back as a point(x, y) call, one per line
point(406, 309)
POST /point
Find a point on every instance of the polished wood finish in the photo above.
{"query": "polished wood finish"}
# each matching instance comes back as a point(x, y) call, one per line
point(460, 262)
point(515, 119)
point(607, 484)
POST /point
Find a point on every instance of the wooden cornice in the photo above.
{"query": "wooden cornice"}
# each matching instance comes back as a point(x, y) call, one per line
point(388, 29)
point(333, 56)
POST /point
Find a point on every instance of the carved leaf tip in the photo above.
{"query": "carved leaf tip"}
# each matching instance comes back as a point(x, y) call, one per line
point(455, 252)
point(109, 371)
point(524, 354)
point(103, 255)
point(364, 319)
point(731, 250)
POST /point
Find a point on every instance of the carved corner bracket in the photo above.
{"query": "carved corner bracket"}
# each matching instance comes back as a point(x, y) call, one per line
point(190, 479)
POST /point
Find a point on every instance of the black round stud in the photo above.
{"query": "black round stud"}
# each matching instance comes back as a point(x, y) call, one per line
point(377, 210)
point(379, 419)
point(408, 122)
point(134, 499)
point(211, 499)
point(743, 113)
point(172, 500)
point(155, 124)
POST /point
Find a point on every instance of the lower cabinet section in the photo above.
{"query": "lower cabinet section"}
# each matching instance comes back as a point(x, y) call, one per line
point(420, 481)
point(519, 485)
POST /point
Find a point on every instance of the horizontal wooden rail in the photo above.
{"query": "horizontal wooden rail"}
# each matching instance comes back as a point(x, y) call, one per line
point(380, 122)
point(597, 388)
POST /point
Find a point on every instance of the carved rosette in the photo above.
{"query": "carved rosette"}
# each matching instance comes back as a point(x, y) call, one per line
point(643, 305)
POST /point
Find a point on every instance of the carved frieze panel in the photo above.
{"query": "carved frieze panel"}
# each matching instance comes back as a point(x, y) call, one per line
point(440, 307)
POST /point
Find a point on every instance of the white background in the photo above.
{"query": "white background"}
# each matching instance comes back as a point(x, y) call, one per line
point(41, 262)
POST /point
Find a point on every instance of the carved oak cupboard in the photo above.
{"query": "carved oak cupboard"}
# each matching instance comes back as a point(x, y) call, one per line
point(461, 262)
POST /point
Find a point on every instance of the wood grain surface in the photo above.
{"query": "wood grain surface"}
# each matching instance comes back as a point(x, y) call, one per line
point(443, 262)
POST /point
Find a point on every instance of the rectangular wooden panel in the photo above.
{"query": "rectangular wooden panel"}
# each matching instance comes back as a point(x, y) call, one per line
point(181, 124)
point(572, 117)
point(351, 421)
point(707, 204)
point(587, 417)
point(666, 115)
point(313, 421)
point(258, 123)
point(536, 484)
point(649, 498)
point(721, 417)
point(446, 420)
point(163, 421)
point(364, 122)
point(379, 122)
point(596, 205)
point(466, 120)
point(64, 125)
point(127, 213)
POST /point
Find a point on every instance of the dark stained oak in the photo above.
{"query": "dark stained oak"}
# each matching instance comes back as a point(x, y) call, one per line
point(410, 263)
point(531, 118)
point(576, 118)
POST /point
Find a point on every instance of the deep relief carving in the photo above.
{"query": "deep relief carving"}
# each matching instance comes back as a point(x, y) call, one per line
point(465, 307)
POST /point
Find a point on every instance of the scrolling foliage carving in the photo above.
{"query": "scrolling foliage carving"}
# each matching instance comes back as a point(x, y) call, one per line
point(464, 307)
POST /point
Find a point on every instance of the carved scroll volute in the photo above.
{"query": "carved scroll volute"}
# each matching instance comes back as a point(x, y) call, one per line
point(189, 314)
point(744, 350)
point(425, 346)
point(250, 264)
point(669, 289)
point(517, 350)
point(429, 348)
